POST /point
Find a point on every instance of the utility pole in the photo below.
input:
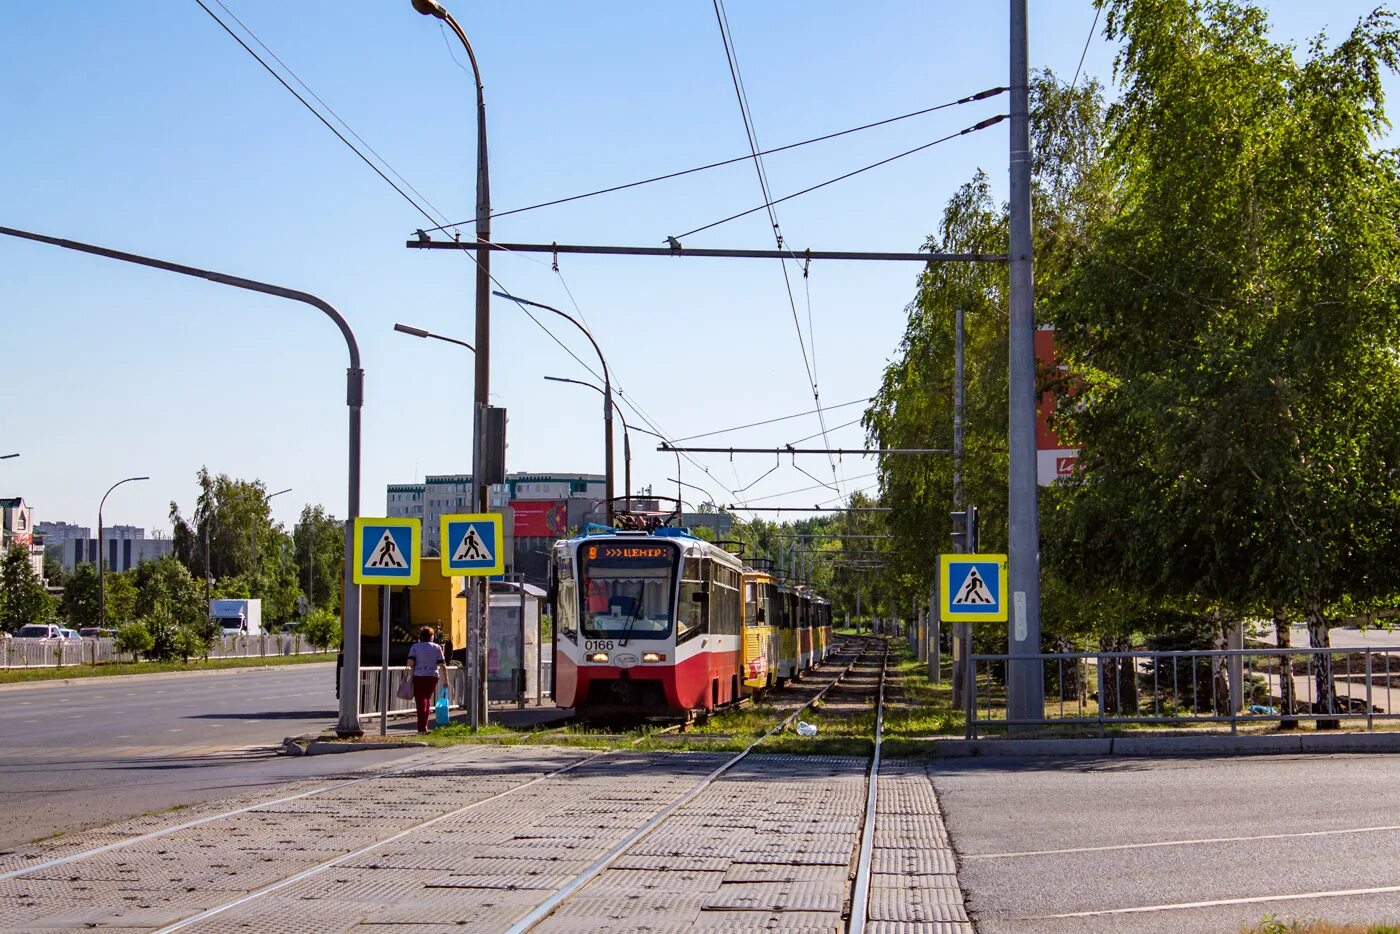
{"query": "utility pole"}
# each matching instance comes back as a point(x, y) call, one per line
point(1025, 682)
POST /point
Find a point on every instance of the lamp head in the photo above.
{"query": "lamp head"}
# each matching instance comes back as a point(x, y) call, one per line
point(410, 329)
point(430, 8)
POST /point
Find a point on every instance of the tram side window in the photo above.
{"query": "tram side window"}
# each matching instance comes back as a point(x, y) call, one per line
point(567, 610)
point(724, 601)
point(691, 615)
point(751, 603)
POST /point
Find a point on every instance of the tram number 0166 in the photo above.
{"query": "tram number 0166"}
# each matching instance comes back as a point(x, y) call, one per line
point(598, 645)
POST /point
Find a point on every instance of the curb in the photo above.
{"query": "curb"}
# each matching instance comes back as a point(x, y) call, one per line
point(1274, 744)
point(316, 747)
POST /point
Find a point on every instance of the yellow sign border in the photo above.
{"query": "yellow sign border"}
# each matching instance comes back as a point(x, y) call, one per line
point(415, 569)
point(495, 518)
point(945, 597)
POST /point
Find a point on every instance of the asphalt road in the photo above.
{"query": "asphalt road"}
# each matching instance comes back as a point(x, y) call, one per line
point(1174, 845)
point(87, 753)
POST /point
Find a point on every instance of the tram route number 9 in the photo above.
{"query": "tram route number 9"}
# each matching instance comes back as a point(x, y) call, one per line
point(598, 645)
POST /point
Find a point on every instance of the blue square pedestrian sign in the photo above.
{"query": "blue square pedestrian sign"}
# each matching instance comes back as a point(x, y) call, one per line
point(473, 545)
point(386, 550)
point(972, 588)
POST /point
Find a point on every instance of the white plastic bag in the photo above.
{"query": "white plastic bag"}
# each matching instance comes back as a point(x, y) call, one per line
point(806, 729)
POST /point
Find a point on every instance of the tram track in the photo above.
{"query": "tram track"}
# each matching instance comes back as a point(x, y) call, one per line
point(353, 858)
point(861, 883)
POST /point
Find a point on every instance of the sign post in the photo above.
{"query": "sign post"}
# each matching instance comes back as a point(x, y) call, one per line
point(385, 553)
point(972, 588)
point(473, 545)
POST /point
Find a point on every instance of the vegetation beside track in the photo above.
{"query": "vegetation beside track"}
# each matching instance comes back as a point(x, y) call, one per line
point(1272, 925)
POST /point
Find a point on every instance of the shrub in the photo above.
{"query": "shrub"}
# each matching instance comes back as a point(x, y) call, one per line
point(322, 629)
point(135, 638)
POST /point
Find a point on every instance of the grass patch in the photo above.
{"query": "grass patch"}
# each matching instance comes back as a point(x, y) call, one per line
point(107, 669)
point(1273, 925)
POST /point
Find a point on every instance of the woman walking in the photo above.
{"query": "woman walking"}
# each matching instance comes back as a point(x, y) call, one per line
point(426, 660)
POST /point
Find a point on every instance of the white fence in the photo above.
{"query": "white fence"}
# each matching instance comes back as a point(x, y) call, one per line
point(57, 653)
point(369, 690)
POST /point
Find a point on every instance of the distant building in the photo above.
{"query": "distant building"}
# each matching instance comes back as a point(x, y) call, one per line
point(56, 533)
point(124, 550)
point(17, 531)
point(541, 508)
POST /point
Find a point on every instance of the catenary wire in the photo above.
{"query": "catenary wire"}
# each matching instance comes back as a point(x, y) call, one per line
point(423, 211)
point(981, 125)
point(741, 92)
point(770, 421)
point(1090, 38)
point(971, 98)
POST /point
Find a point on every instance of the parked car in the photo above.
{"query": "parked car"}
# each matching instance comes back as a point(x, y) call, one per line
point(97, 632)
point(69, 634)
point(40, 631)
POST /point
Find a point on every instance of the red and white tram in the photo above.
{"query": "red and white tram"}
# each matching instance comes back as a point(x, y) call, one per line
point(647, 624)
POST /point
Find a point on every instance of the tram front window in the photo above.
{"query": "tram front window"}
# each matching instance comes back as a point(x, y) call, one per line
point(627, 590)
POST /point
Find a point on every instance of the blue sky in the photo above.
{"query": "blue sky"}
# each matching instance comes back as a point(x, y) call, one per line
point(143, 126)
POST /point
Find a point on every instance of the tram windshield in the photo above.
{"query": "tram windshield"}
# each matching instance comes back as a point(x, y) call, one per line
point(627, 590)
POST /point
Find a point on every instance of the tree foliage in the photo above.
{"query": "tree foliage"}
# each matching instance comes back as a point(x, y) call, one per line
point(23, 599)
point(81, 601)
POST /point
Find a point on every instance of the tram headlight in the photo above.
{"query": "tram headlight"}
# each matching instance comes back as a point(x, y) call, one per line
point(653, 657)
point(598, 657)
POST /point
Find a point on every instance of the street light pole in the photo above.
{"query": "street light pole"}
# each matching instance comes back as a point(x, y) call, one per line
point(253, 527)
point(5, 457)
point(479, 588)
point(349, 723)
point(101, 563)
point(626, 436)
point(607, 396)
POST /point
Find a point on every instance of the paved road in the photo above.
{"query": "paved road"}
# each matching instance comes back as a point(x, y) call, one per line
point(1298, 837)
point(90, 752)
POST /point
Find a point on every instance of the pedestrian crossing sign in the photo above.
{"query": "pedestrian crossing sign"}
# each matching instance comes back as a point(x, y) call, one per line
point(386, 550)
point(972, 588)
point(473, 545)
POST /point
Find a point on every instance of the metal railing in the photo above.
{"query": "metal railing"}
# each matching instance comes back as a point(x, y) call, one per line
point(369, 690)
point(59, 653)
point(1224, 686)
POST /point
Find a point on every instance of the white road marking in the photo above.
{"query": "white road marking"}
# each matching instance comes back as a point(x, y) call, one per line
point(1186, 906)
point(25, 703)
point(1388, 828)
point(31, 721)
point(175, 731)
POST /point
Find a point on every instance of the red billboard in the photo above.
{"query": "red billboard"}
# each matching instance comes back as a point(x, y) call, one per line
point(1053, 459)
point(540, 518)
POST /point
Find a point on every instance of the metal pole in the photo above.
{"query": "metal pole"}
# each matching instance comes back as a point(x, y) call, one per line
point(520, 696)
point(101, 556)
point(473, 596)
point(349, 723)
point(962, 632)
point(384, 662)
point(608, 444)
point(483, 295)
point(1025, 682)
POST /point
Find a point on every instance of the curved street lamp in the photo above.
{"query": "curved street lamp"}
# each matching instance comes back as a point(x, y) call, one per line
point(626, 438)
point(101, 556)
point(349, 722)
point(607, 395)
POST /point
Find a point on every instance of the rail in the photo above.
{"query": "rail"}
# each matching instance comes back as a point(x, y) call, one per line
point(860, 892)
point(1222, 686)
point(546, 908)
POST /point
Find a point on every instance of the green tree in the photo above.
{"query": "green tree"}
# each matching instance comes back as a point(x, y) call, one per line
point(1234, 320)
point(23, 599)
point(914, 406)
point(166, 591)
point(80, 597)
point(121, 598)
point(318, 544)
